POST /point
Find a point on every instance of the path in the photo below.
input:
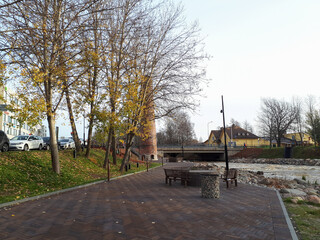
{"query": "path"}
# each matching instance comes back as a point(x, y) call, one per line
point(141, 206)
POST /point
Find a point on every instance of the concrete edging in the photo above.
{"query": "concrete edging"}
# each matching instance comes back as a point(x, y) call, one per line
point(286, 215)
point(12, 203)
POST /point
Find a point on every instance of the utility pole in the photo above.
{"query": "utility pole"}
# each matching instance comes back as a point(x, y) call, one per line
point(225, 137)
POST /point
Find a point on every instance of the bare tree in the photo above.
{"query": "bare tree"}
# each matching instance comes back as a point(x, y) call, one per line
point(299, 123)
point(178, 130)
point(5, 3)
point(234, 122)
point(313, 120)
point(247, 126)
point(276, 118)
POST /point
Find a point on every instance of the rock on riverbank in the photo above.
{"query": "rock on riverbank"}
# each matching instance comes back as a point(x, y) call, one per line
point(297, 189)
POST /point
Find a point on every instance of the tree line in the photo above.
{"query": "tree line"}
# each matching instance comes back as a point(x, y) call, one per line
point(178, 130)
point(107, 58)
point(277, 117)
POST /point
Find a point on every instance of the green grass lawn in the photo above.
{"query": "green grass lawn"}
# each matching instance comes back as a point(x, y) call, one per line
point(297, 152)
point(306, 218)
point(27, 174)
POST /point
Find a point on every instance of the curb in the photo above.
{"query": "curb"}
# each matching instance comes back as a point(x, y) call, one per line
point(286, 215)
point(9, 204)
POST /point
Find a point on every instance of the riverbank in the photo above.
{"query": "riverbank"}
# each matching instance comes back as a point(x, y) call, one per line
point(281, 161)
point(297, 152)
point(288, 179)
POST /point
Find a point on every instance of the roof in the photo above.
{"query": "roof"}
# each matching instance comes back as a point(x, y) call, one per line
point(237, 133)
point(216, 134)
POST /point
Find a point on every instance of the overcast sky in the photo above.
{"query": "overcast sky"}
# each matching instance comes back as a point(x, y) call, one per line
point(259, 49)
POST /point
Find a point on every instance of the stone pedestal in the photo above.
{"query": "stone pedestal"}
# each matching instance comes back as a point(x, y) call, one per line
point(210, 186)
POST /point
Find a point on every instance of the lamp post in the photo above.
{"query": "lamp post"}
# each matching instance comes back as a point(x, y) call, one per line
point(225, 137)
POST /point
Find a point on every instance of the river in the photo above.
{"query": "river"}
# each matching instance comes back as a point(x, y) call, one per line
point(311, 173)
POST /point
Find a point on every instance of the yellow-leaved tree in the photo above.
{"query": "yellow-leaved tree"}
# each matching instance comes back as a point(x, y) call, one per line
point(40, 38)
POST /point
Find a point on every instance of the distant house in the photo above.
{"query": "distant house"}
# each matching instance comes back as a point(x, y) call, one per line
point(214, 138)
point(236, 136)
point(296, 138)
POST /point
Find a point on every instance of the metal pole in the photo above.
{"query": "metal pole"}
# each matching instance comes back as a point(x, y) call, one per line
point(225, 137)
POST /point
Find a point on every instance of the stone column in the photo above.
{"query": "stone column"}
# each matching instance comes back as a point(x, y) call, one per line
point(210, 186)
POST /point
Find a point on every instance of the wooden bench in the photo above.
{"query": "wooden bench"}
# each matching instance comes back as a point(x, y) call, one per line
point(177, 174)
point(230, 176)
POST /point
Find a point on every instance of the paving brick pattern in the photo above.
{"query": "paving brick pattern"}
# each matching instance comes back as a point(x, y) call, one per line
point(142, 206)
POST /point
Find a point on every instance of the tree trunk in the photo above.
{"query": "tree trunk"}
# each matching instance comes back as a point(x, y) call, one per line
point(270, 145)
point(106, 158)
point(90, 132)
point(92, 90)
point(129, 143)
point(53, 145)
point(72, 122)
point(114, 149)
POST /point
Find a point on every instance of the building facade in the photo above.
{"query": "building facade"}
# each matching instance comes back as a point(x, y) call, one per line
point(9, 124)
point(236, 137)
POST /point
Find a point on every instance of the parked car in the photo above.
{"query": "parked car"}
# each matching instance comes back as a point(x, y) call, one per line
point(4, 142)
point(66, 143)
point(26, 142)
point(46, 143)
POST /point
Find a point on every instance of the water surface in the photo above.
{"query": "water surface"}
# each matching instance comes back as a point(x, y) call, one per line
point(312, 173)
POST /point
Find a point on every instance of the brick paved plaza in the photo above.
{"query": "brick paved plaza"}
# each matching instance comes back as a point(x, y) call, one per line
point(142, 206)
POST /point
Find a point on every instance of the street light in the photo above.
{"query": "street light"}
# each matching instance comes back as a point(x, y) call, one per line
point(225, 138)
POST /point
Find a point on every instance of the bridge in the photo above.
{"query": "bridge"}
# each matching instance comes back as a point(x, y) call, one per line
point(198, 152)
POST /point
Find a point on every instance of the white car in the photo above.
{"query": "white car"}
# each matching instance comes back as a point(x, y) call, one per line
point(66, 143)
point(26, 142)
